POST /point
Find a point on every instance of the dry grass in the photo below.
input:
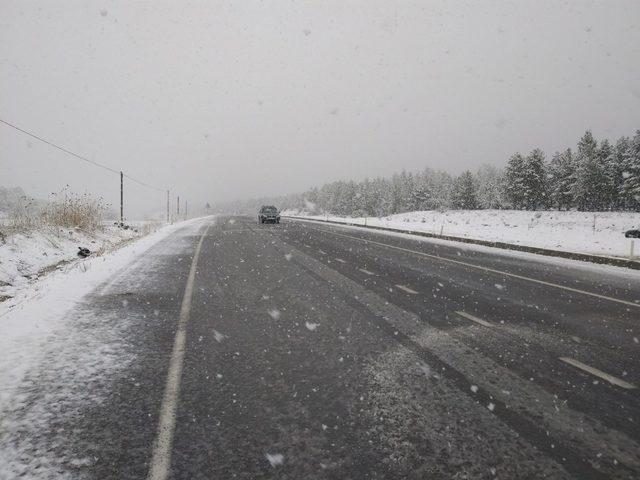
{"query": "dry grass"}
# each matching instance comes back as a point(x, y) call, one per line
point(64, 209)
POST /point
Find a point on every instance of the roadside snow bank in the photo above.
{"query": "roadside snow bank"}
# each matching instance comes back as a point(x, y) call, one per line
point(600, 233)
point(26, 256)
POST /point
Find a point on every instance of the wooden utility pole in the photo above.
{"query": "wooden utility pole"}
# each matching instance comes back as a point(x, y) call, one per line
point(178, 206)
point(168, 213)
point(121, 197)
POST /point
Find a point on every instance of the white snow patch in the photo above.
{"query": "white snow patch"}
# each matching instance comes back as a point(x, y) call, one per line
point(311, 326)
point(275, 459)
point(219, 336)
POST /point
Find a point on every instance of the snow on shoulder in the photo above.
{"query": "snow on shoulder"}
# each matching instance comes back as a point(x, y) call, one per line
point(38, 308)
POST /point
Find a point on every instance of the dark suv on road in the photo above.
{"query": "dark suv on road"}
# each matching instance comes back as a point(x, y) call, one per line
point(268, 213)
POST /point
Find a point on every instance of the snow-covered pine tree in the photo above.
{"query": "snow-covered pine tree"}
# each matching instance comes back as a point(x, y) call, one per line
point(612, 171)
point(442, 184)
point(631, 174)
point(435, 190)
point(464, 195)
point(489, 179)
point(407, 188)
point(512, 181)
point(310, 201)
point(420, 192)
point(350, 199)
point(534, 181)
point(381, 196)
point(622, 153)
point(561, 174)
point(395, 194)
point(365, 198)
point(589, 179)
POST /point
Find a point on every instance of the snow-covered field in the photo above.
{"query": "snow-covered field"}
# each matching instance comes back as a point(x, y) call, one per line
point(599, 233)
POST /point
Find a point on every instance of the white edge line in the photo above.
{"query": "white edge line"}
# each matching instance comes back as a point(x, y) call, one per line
point(161, 456)
point(479, 321)
point(598, 373)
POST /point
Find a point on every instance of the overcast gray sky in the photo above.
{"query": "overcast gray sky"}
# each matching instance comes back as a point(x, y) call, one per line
point(224, 100)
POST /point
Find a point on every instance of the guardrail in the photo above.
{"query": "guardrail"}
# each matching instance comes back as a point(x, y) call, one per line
point(617, 262)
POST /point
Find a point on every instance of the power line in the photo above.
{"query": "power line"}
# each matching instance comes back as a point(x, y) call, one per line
point(59, 147)
point(80, 157)
point(144, 184)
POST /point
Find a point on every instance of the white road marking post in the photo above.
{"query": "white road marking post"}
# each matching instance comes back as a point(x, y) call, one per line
point(492, 270)
point(366, 271)
point(407, 289)
point(598, 373)
point(479, 321)
point(161, 457)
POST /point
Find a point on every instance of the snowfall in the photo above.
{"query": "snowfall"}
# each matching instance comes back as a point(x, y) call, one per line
point(600, 233)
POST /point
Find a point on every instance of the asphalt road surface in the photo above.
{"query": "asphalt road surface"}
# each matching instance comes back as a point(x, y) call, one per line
point(304, 350)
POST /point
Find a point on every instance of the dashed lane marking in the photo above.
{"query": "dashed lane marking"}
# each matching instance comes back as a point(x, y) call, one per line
point(598, 373)
point(366, 271)
point(340, 260)
point(407, 289)
point(473, 318)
